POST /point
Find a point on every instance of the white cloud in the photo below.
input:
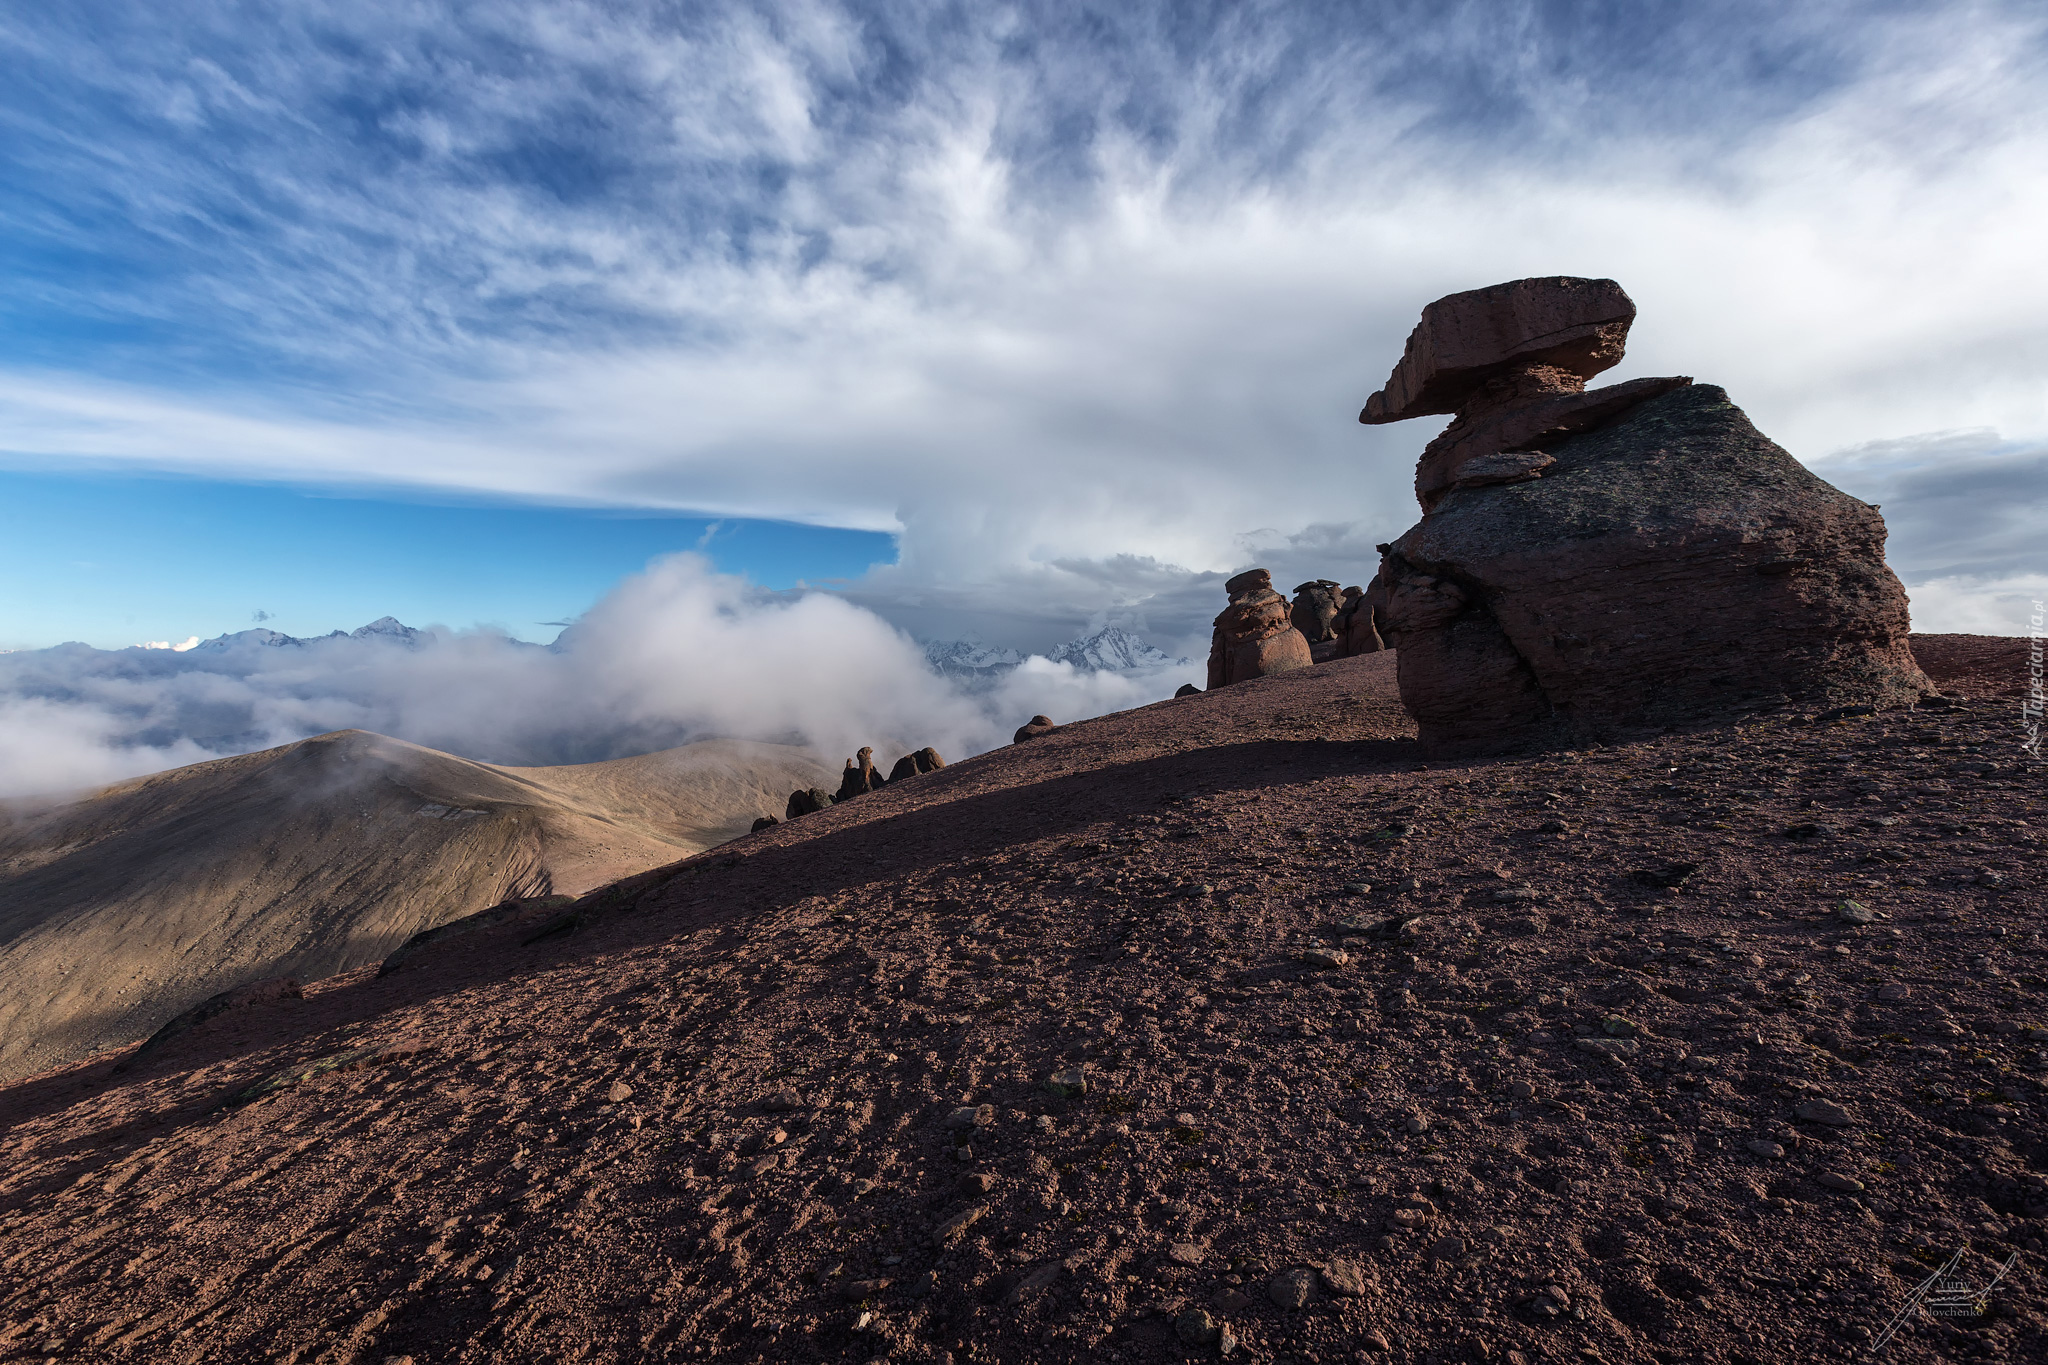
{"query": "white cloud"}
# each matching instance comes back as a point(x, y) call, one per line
point(1974, 605)
point(674, 654)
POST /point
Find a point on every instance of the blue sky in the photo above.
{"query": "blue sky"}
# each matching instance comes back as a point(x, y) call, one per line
point(1055, 312)
point(113, 559)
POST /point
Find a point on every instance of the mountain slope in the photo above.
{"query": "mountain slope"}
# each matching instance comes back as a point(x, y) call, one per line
point(121, 909)
point(1558, 1056)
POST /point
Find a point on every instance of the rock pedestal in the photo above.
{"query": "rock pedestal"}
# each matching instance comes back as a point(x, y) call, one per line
point(1254, 636)
point(1510, 362)
point(1645, 558)
point(860, 776)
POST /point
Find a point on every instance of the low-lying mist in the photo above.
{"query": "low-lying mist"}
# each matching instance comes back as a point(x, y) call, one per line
point(675, 654)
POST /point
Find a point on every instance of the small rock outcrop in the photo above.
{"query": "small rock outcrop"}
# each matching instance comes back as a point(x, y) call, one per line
point(1356, 628)
point(1187, 690)
point(764, 822)
point(1036, 726)
point(1314, 612)
point(1364, 628)
point(1592, 564)
point(860, 776)
point(264, 992)
point(1255, 635)
point(925, 760)
point(807, 802)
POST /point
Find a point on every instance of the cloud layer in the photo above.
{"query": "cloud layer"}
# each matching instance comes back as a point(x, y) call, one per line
point(675, 654)
point(1081, 300)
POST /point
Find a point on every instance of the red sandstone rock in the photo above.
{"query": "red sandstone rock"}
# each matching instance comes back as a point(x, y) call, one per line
point(1511, 362)
point(1254, 636)
point(1573, 326)
point(1505, 443)
point(860, 776)
point(1364, 632)
point(925, 760)
point(1638, 584)
point(1314, 612)
point(1596, 562)
point(1039, 725)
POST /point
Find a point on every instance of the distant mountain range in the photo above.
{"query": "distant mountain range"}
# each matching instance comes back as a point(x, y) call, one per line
point(385, 628)
point(1109, 650)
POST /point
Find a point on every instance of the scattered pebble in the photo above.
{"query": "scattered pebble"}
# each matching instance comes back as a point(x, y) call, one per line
point(1344, 1278)
point(1198, 1327)
point(1824, 1111)
point(1294, 1288)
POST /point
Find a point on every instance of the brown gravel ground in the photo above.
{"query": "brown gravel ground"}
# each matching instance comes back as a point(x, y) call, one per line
point(1530, 1107)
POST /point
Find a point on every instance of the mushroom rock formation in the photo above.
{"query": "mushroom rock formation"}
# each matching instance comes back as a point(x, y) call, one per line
point(807, 802)
point(925, 760)
point(1039, 725)
point(1664, 563)
point(1315, 610)
point(1510, 363)
point(1254, 636)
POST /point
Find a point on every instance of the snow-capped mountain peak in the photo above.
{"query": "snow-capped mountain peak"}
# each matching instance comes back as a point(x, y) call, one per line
point(260, 636)
point(970, 658)
point(386, 628)
point(1111, 650)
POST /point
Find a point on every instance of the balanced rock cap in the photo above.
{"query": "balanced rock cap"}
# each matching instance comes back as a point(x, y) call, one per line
point(1251, 580)
point(1576, 325)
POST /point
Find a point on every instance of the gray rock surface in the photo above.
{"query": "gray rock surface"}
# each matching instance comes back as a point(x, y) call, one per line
point(1672, 566)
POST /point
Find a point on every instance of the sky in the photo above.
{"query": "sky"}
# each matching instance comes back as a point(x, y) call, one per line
point(1006, 320)
point(112, 558)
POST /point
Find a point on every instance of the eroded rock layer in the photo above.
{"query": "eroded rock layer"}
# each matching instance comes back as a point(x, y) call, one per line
point(1255, 635)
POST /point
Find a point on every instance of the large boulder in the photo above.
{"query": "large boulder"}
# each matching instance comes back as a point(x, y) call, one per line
point(1361, 622)
point(925, 760)
point(1314, 612)
point(807, 802)
point(1670, 566)
point(1465, 341)
point(1254, 636)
